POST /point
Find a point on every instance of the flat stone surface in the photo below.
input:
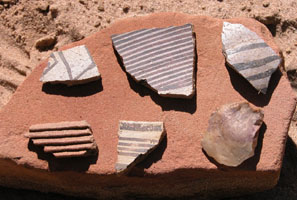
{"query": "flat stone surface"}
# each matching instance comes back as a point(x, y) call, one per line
point(72, 66)
point(136, 141)
point(164, 58)
point(64, 139)
point(178, 167)
point(232, 133)
point(249, 55)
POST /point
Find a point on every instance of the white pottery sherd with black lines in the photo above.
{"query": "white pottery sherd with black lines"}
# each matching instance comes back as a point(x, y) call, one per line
point(136, 141)
point(249, 55)
point(72, 66)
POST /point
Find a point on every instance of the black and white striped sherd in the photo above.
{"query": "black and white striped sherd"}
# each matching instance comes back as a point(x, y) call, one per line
point(249, 55)
point(162, 58)
point(71, 67)
point(136, 141)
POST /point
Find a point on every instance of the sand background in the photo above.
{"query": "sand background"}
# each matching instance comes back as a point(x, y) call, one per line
point(31, 29)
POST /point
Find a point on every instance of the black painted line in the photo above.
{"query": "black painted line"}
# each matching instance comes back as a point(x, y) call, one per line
point(177, 85)
point(255, 63)
point(88, 52)
point(162, 58)
point(164, 81)
point(264, 90)
point(133, 49)
point(261, 75)
point(121, 41)
point(91, 66)
point(140, 127)
point(261, 85)
point(149, 34)
point(140, 42)
point(165, 52)
point(135, 150)
point(247, 47)
point(120, 166)
point(168, 72)
point(129, 154)
point(186, 78)
point(135, 144)
point(172, 81)
point(49, 67)
point(162, 48)
point(120, 36)
point(138, 139)
point(170, 62)
point(160, 69)
point(66, 64)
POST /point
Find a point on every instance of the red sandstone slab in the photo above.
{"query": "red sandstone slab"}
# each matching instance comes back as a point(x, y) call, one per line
point(178, 167)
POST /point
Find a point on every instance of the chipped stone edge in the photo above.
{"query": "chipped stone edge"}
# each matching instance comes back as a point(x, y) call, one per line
point(255, 139)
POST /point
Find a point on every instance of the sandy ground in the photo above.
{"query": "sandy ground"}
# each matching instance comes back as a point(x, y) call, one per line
point(31, 30)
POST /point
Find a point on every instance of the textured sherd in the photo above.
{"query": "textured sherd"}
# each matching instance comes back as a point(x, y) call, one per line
point(163, 58)
point(59, 126)
point(64, 139)
point(71, 67)
point(232, 133)
point(249, 55)
point(178, 167)
point(136, 141)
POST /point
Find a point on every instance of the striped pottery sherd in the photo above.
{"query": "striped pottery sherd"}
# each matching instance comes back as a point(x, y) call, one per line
point(249, 55)
point(64, 139)
point(136, 141)
point(71, 67)
point(161, 58)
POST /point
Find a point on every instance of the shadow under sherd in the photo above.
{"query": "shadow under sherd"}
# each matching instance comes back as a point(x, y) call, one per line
point(166, 103)
point(152, 158)
point(247, 91)
point(78, 164)
point(249, 164)
point(286, 186)
point(288, 174)
point(83, 90)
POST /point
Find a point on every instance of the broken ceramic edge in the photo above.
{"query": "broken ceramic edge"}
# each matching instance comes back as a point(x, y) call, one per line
point(163, 59)
point(64, 139)
point(137, 139)
point(71, 67)
point(232, 134)
point(249, 55)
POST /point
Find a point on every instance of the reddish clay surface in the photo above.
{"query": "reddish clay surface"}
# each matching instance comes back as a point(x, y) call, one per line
point(178, 167)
